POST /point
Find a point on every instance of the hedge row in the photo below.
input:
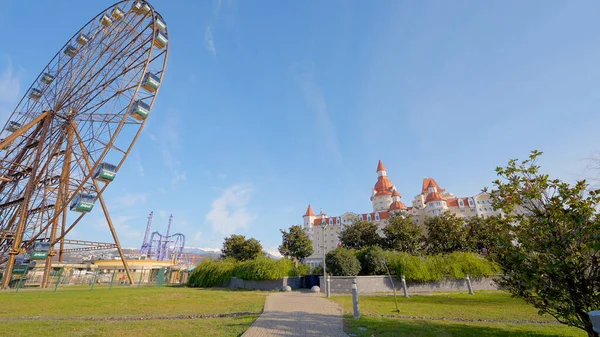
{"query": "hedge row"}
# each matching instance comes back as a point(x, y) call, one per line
point(211, 273)
point(374, 260)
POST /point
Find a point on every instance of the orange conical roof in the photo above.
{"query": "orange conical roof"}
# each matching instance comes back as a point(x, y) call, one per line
point(396, 194)
point(435, 196)
point(309, 211)
point(380, 166)
point(396, 205)
point(430, 182)
point(383, 186)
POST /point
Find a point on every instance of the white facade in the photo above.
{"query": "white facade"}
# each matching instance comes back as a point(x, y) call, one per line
point(386, 201)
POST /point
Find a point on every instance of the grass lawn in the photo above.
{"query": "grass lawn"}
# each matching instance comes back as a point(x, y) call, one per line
point(450, 314)
point(61, 313)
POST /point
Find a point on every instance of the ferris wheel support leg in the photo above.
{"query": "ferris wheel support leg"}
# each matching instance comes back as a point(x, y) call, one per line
point(16, 249)
point(63, 191)
point(62, 240)
point(114, 234)
point(104, 209)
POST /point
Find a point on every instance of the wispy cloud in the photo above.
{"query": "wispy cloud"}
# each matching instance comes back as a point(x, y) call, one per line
point(313, 93)
point(217, 7)
point(170, 140)
point(10, 89)
point(128, 200)
point(179, 177)
point(122, 224)
point(10, 85)
point(228, 212)
point(209, 41)
point(230, 11)
point(138, 165)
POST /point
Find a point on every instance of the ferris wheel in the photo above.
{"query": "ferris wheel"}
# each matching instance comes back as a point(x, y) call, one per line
point(72, 131)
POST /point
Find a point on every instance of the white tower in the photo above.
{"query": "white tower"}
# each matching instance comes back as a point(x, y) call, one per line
point(383, 190)
point(309, 218)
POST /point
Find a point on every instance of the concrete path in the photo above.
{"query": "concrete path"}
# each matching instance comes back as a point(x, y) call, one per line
point(298, 314)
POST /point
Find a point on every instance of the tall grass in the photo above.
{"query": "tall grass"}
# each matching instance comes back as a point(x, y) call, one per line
point(211, 273)
point(437, 267)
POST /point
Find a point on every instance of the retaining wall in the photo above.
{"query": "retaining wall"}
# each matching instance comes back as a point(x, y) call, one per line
point(268, 285)
point(378, 284)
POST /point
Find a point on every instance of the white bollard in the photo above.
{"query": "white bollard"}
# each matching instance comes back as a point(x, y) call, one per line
point(404, 287)
point(328, 286)
point(355, 299)
point(469, 285)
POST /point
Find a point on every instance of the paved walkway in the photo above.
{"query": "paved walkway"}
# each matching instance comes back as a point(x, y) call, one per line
point(298, 314)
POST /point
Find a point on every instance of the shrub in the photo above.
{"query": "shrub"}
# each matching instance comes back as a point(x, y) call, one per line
point(471, 264)
point(264, 268)
point(372, 261)
point(215, 273)
point(342, 262)
point(211, 273)
point(437, 267)
point(412, 267)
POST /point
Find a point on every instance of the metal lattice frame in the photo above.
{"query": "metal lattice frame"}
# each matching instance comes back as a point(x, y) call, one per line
point(64, 128)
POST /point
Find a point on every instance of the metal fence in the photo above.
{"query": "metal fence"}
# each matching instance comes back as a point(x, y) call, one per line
point(32, 277)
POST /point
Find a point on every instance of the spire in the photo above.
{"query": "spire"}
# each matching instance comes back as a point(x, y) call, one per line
point(309, 211)
point(380, 167)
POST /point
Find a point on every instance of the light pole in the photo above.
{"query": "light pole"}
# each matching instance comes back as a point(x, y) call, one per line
point(323, 227)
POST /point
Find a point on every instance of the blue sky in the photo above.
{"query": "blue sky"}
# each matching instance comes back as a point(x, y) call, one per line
point(269, 105)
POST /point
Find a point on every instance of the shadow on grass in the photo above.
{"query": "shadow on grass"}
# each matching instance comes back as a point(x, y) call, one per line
point(388, 327)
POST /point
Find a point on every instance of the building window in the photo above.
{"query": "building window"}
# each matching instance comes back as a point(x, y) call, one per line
point(338, 221)
point(485, 209)
point(377, 217)
point(369, 217)
point(462, 210)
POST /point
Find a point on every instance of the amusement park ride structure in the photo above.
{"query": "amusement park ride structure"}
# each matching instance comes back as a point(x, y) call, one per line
point(163, 247)
point(72, 131)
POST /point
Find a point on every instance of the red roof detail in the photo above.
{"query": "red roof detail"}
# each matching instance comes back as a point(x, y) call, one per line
point(309, 211)
point(383, 186)
point(396, 194)
point(396, 205)
point(430, 181)
point(452, 202)
point(380, 167)
point(435, 196)
point(384, 215)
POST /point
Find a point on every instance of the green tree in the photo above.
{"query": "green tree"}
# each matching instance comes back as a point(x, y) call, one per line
point(402, 234)
point(295, 244)
point(484, 235)
point(342, 262)
point(446, 233)
point(551, 257)
point(360, 234)
point(237, 247)
point(372, 261)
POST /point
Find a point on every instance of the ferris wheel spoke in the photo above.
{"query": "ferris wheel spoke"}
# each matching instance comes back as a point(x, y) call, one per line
point(106, 46)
